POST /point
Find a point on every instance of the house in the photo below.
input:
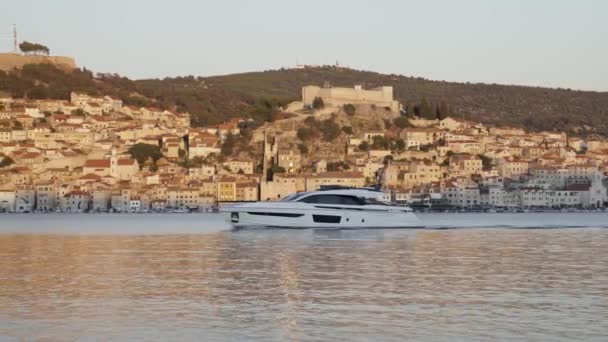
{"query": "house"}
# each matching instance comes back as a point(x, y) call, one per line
point(465, 165)
point(452, 124)
point(77, 201)
point(350, 179)
point(5, 135)
point(92, 108)
point(121, 168)
point(239, 166)
point(112, 104)
point(289, 160)
point(464, 146)
point(46, 199)
point(417, 137)
point(462, 194)
point(7, 200)
point(203, 148)
point(226, 189)
point(25, 198)
point(512, 167)
point(100, 199)
point(247, 192)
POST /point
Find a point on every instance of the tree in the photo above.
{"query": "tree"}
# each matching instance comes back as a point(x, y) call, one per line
point(6, 161)
point(303, 148)
point(330, 130)
point(34, 48)
point(337, 166)
point(144, 152)
point(228, 145)
point(380, 143)
point(78, 112)
point(350, 109)
point(305, 133)
point(400, 145)
point(364, 146)
point(347, 129)
point(402, 122)
point(426, 110)
point(274, 169)
point(318, 103)
point(443, 111)
point(486, 162)
point(311, 121)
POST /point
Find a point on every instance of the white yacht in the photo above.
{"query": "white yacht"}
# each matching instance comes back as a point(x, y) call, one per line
point(331, 208)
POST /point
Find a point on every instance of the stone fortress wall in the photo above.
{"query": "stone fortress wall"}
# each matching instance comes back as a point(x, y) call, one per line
point(335, 96)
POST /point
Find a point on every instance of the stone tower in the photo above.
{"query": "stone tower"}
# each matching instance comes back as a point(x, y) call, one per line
point(113, 163)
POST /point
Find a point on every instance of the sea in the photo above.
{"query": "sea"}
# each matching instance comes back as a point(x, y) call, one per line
point(190, 277)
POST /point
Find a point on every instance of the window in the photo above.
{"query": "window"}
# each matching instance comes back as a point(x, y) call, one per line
point(333, 199)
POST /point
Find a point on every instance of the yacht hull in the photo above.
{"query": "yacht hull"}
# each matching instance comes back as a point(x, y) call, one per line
point(262, 215)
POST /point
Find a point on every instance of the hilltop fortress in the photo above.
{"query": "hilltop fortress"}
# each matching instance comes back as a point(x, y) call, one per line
point(335, 96)
point(10, 61)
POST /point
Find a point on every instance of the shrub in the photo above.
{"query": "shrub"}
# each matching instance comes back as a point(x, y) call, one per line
point(400, 145)
point(318, 103)
point(330, 130)
point(401, 122)
point(303, 148)
point(364, 146)
point(310, 121)
point(305, 133)
point(350, 109)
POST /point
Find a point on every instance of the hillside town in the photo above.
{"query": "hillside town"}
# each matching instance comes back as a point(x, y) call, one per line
point(94, 154)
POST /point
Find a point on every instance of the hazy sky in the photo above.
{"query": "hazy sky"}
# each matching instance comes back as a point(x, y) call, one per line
point(557, 43)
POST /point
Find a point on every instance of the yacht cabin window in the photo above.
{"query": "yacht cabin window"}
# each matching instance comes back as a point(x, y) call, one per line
point(334, 199)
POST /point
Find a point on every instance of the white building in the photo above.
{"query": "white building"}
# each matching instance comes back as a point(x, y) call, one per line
point(7, 201)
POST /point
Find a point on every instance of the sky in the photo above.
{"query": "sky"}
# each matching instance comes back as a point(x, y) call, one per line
point(551, 43)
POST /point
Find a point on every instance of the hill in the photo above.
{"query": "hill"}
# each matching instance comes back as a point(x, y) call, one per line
point(10, 61)
point(256, 94)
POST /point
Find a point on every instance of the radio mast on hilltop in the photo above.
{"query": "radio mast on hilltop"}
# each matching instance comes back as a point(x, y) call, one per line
point(15, 38)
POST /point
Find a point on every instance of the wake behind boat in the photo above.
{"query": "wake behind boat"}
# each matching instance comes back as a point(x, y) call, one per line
point(331, 208)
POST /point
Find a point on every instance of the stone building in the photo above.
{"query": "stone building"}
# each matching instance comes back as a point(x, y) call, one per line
point(336, 96)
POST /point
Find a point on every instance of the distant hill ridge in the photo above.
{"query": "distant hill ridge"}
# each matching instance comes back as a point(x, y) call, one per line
point(211, 100)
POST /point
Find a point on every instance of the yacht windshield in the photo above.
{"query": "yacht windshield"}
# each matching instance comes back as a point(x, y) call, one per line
point(373, 201)
point(292, 197)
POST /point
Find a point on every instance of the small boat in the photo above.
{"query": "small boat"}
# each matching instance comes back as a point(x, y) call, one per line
point(329, 208)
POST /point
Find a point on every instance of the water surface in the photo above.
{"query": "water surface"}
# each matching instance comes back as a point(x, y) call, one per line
point(189, 277)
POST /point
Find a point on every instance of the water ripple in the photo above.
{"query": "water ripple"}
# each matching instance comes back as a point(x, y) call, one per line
point(463, 284)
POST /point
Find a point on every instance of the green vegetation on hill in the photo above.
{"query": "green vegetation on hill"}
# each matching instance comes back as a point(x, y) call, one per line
point(145, 152)
point(211, 100)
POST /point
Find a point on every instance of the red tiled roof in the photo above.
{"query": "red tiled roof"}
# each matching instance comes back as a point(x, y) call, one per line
point(97, 163)
point(126, 161)
point(91, 176)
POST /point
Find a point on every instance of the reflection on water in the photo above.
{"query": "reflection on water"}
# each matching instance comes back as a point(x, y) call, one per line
point(307, 285)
